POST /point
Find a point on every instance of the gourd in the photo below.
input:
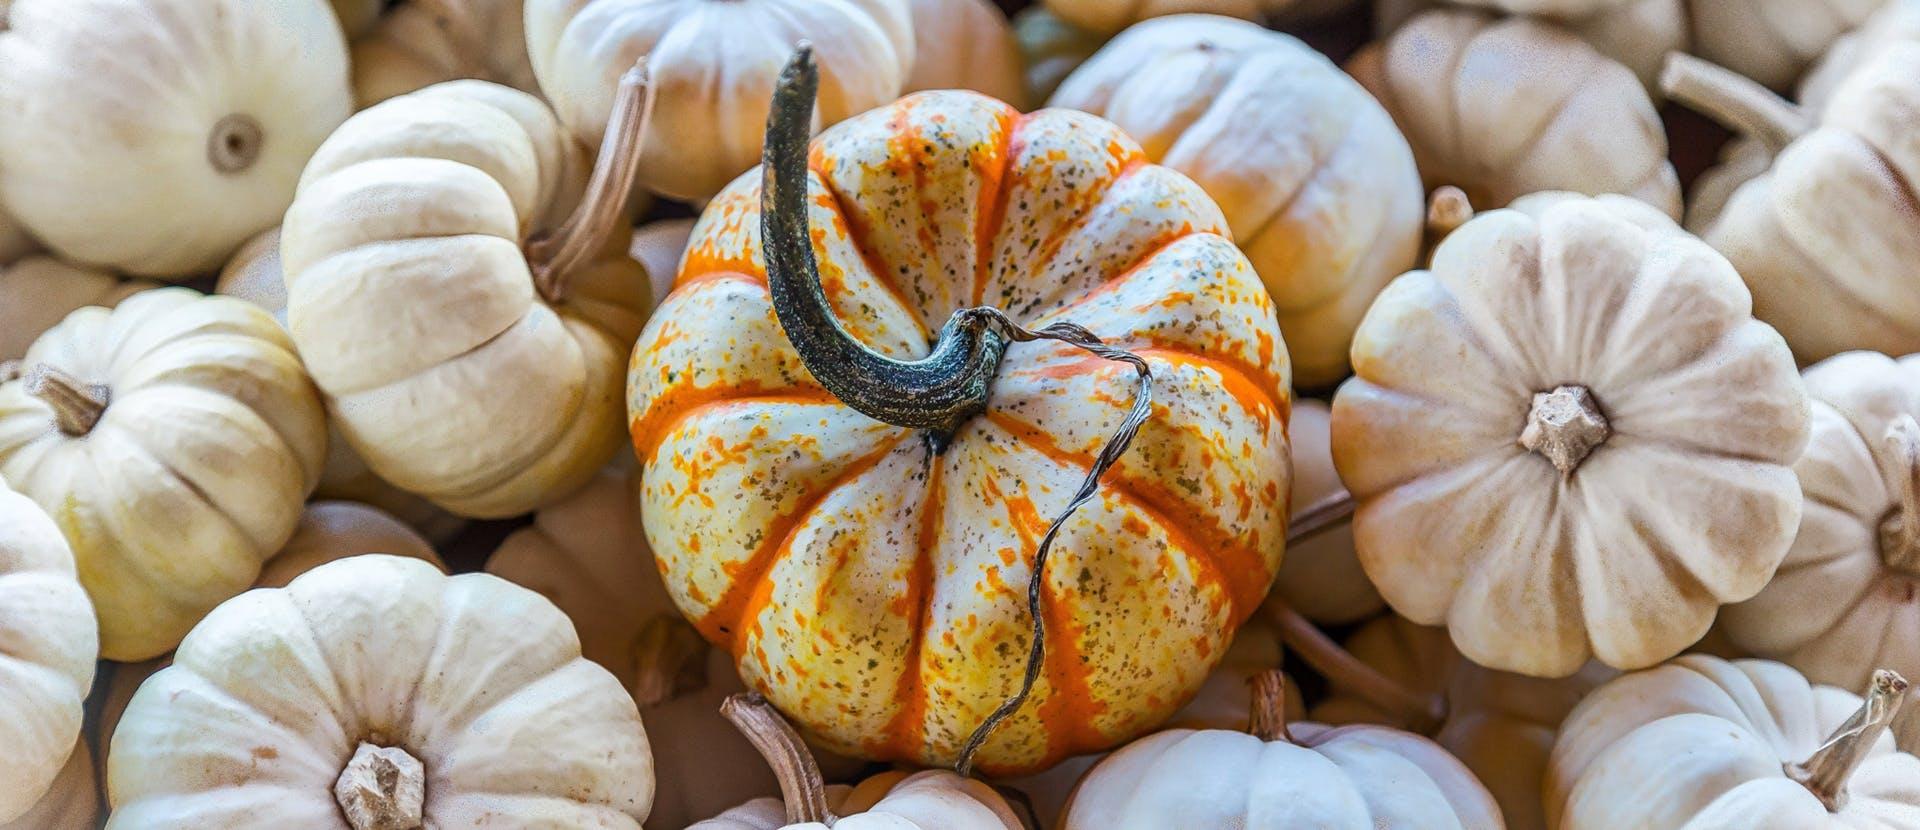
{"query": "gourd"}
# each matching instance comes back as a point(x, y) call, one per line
point(1570, 439)
point(152, 137)
point(658, 247)
point(1280, 775)
point(1321, 577)
point(357, 17)
point(1637, 33)
point(1110, 16)
point(378, 692)
point(14, 241)
point(1501, 108)
point(72, 802)
point(1706, 743)
point(965, 44)
point(1051, 49)
point(419, 43)
point(866, 575)
point(49, 653)
point(469, 343)
point(1848, 582)
point(929, 800)
point(333, 530)
point(714, 62)
point(37, 292)
point(173, 439)
point(1318, 186)
point(1772, 41)
point(1820, 236)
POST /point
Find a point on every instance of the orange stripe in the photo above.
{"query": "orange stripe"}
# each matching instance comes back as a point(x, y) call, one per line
point(906, 732)
point(994, 185)
point(1257, 396)
point(670, 410)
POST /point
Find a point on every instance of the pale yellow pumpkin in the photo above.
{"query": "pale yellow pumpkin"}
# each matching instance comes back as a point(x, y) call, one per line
point(419, 43)
point(174, 440)
point(1110, 16)
point(37, 292)
point(965, 44)
point(46, 659)
point(1637, 33)
point(1051, 49)
point(72, 802)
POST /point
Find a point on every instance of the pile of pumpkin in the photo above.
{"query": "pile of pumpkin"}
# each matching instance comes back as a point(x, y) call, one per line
point(433, 413)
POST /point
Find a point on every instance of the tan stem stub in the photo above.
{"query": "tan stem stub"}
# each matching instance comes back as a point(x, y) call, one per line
point(1826, 771)
point(669, 660)
point(554, 256)
point(1739, 103)
point(1267, 714)
point(1320, 516)
point(1420, 713)
point(792, 763)
point(1447, 209)
point(76, 404)
point(1900, 529)
point(235, 143)
point(382, 788)
point(1564, 426)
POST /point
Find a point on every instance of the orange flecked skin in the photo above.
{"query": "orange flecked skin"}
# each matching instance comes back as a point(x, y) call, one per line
point(875, 590)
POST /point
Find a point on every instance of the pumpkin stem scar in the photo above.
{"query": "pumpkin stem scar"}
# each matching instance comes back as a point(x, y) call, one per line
point(76, 405)
point(1900, 529)
point(1825, 772)
point(1267, 717)
point(1564, 426)
point(669, 659)
point(1737, 102)
point(235, 142)
point(1448, 208)
point(382, 788)
point(801, 786)
point(555, 255)
point(1424, 714)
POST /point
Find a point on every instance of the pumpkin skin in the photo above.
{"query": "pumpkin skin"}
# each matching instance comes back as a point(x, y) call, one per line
point(1538, 110)
point(1051, 49)
point(511, 403)
point(14, 241)
point(423, 42)
point(1637, 33)
point(195, 158)
point(477, 679)
point(928, 800)
point(211, 439)
point(965, 44)
point(1772, 41)
point(50, 649)
point(658, 247)
point(1471, 512)
point(1318, 186)
point(39, 291)
point(1110, 16)
point(930, 604)
point(71, 803)
point(1700, 743)
point(714, 62)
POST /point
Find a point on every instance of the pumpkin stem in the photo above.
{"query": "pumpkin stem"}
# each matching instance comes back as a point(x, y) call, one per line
point(76, 405)
point(1564, 426)
point(1826, 771)
point(382, 788)
point(1317, 518)
point(1447, 209)
point(1419, 713)
point(801, 786)
point(555, 255)
point(1739, 103)
point(669, 659)
point(1900, 530)
point(1267, 717)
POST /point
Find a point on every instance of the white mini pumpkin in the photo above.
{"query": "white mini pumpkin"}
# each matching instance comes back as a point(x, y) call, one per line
point(46, 657)
point(418, 43)
point(965, 44)
point(333, 530)
point(37, 292)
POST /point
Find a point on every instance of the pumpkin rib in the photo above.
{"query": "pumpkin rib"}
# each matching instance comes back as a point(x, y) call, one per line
point(648, 433)
point(857, 237)
point(994, 217)
point(908, 726)
point(199, 493)
point(1068, 686)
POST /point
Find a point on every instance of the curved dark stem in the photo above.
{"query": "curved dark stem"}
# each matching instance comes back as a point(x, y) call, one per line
point(934, 393)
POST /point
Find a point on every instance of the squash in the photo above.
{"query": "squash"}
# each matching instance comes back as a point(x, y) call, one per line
point(469, 344)
point(1570, 439)
point(1050, 49)
point(1318, 186)
point(1850, 579)
point(357, 17)
point(1500, 725)
point(1501, 108)
point(1110, 16)
point(14, 241)
point(658, 247)
point(1772, 41)
point(36, 293)
point(930, 800)
point(1637, 33)
point(173, 439)
point(714, 62)
point(72, 802)
point(1820, 236)
point(1321, 577)
point(1745, 745)
point(333, 530)
point(965, 44)
point(47, 658)
point(379, 690)
point(865, 573)
point(152, 137)
point(419, 43)
point(1278, 774)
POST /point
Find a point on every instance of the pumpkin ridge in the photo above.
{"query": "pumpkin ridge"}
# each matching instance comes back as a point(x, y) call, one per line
point(1595, 63)
point(994, 215)
point(857, 234)
point(199, 492)
point(908, 726)
point(1070, 702)
point(667, 414)
point(1050, 247)
point(1320, 167)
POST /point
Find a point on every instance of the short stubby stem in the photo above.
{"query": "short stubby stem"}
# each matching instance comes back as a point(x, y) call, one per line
point(1826, 771)
point(669, 660)
point(235, 143)
point(382, 788)
point(1448, 208)
point(1564, 426)
point(1900, 529)
point(77, 406)
point(1267, 716)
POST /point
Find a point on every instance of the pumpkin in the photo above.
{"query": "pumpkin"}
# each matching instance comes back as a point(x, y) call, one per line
point(714, 62)
point(1705, 743)
point(930, 800)
point(14, 241)
point(468, 354)
point(173, 439)
point(37, 292)
point(357, 17)
point(1820, 235)
point(865, 573)
point(1050, 49)
point(378, 692)
point(965, 44)
point(333, 530)
point(152, 137)
point(1318, 186)
point(72, 802)
point(1850, 579)
point(1772, 41)
point(419, 43)
point(1570, 438)
point(1280, 775)
point(1321, 577)
point(1637, 33)
point(49, 653)
point(1501, 108)
point(1110, 16)
point(1500, 725)
point(658, 247)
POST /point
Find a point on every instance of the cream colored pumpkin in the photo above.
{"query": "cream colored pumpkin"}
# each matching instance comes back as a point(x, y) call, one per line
point(965, 44)
point(333, 530)
point(1570, 438)
point(1707, 744)
point(36, 293)
point(46, 659)
point(1637, 33)
point(1501, 108)
point(1772, 41)
point(72, 802)
point(659, 247)
point(419, 43)
point(1110, 16)
point(1321, 577)
point(152, 137)
point(485, 379)
point(377, 692)
point(173, 439)
point(1050, 49)
point(714, 62)
point(1318, 186)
